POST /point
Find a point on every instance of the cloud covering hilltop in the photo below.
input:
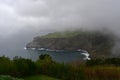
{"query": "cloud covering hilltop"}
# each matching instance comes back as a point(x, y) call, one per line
point(56, 15)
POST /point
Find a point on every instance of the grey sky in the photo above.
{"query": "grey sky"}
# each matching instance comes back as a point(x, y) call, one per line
point(55, 15)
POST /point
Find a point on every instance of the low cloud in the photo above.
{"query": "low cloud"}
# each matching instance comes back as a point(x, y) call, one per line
point(57, 15)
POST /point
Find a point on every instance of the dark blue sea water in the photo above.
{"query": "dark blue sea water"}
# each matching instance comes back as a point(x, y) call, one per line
point(60, 56)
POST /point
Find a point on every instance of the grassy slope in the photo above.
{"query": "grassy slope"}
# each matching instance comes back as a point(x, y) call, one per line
point(40, 77)
point(65, 34)
point(7, 77)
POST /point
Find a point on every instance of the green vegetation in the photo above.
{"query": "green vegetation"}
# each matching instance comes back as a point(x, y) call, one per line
point(40, 77)
point(95, 69)
point(65, 34)
point(3, 77)
point(37, 77)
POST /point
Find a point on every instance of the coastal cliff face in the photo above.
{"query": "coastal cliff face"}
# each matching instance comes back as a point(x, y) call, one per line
point(93, 41)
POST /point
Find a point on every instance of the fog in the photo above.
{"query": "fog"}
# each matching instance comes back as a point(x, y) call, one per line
point(21, 20)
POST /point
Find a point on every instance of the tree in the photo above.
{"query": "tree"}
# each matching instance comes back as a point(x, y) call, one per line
point(24, 67)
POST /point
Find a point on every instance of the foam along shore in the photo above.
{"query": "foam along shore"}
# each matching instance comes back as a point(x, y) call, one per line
point(42, 49)
point(86, 56)
point(25, 48)
point(83, 52)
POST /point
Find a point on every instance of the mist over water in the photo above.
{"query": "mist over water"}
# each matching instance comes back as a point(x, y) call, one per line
point(13, 46)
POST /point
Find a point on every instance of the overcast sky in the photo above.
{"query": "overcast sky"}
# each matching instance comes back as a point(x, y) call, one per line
point(55, 15)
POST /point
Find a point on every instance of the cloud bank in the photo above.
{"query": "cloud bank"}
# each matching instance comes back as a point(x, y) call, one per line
point(56, 15)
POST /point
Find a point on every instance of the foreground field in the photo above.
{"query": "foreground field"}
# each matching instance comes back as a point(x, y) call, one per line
point(7, 77)
point(40, 77)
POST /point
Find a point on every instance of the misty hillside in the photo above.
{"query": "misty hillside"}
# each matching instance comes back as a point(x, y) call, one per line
point(95, 42)
point(65, 34)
